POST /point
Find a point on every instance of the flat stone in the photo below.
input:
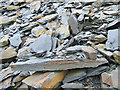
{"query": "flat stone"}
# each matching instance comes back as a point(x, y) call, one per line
point(111, 78)
point(105, 52)
point(43, 43)
point(72, 85)
point(45, 80)
point(63, 32)
point(96, 71)
point(100, 38)
point(75, 48)
point(37, 31)
point(4, 41)
point(90, 52)
point(4, 20)
point(12, 7)
point(55, 64)
point(7, 55)
point(48, 18)
point(86, 1)
point(65, 18)
point(15, 40)
point(73, 25)
point(113, 42)
point(73, 75)
point(116, 55)
point(111, 12)
point(113, 25)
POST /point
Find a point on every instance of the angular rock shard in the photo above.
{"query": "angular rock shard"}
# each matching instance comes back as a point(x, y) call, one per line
point(7, 55)
point(45, 80)
point(55, 64)
point(73, 25)
point(113, 40)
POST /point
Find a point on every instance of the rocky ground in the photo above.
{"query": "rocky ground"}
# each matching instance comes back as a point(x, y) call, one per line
point(59, 44)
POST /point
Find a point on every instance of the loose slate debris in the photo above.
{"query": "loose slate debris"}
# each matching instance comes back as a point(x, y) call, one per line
point(46, 37)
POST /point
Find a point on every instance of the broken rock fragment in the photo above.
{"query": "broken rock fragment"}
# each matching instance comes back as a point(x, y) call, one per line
point(15, 40)
point(43, 43)
point(8, 55)
point(111, 78)
point(113, 41)
point(73, 25)
point(90, 52)
point(45, 80)
point(55, 64)
point(4, 20)
point(4, 41)
point(116, 55)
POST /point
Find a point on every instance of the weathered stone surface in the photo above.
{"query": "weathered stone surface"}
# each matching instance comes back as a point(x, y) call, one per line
point(75, 48)
point(113, 25)
point(4, 41)
point(74, 75)
point(73, 25)
point(106, 53)
point(100, 38)
point(35, 6)
point(55, 64)
point(15, 40)
point(4, 20)
point(45, 80)
point(113, 41)
point(116, 55)
point(63, 32)
point(7, 55)
point(43, 43)
point(111, 78)
point(6, 73)
point(72, 85)
point(90, 52)
point(37, 31)
point(12, 7)
point(48, 18)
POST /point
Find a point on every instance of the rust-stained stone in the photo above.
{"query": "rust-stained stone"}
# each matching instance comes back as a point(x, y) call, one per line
point(45, 80)
point(7, 55)
point(90, 52)
point(55, 64)
point(23, 86)
point(116, 55)
point(111, 78)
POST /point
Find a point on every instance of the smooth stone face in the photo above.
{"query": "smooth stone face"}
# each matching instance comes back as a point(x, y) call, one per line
point(73, 25)
point(37, 31)
point(43, 43)
point(72, 85)
point(4, 20)
point(65, 18)
point(112, 42)
point(15, 40)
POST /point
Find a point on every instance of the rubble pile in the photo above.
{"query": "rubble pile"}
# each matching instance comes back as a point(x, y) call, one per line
point(59, 44)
